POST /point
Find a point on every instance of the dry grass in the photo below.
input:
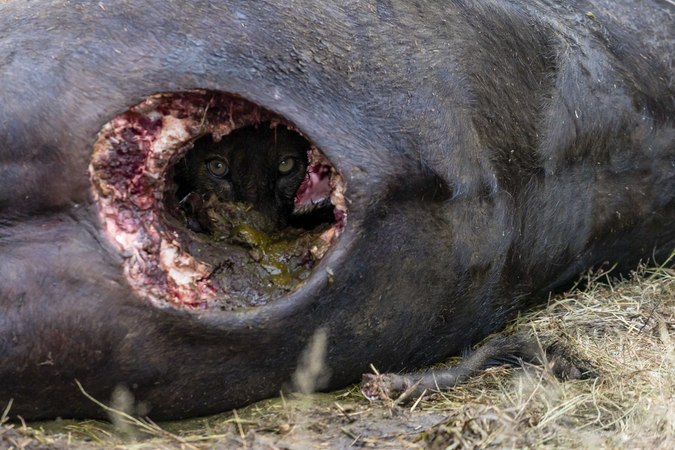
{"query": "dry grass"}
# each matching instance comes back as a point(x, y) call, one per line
point(624, 329)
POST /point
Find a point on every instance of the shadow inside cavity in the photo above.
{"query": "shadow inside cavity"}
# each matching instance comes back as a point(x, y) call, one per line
point(255, 205)
point(261, 171)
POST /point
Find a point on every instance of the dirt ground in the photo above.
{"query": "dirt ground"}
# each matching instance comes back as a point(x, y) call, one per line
point(625, 329)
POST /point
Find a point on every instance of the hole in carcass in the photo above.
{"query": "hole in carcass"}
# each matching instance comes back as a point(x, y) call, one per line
point(214, 202)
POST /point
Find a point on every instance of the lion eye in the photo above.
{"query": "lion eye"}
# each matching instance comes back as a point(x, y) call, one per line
point(286, 165)
point(217, 167)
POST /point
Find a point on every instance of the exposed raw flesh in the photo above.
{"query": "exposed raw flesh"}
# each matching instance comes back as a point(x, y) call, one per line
point(236, 266)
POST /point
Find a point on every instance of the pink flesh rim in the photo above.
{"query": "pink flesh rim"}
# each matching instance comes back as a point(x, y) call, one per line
point(128, 171)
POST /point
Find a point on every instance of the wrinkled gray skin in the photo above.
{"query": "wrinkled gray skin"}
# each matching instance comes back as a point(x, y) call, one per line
point(492, 150)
